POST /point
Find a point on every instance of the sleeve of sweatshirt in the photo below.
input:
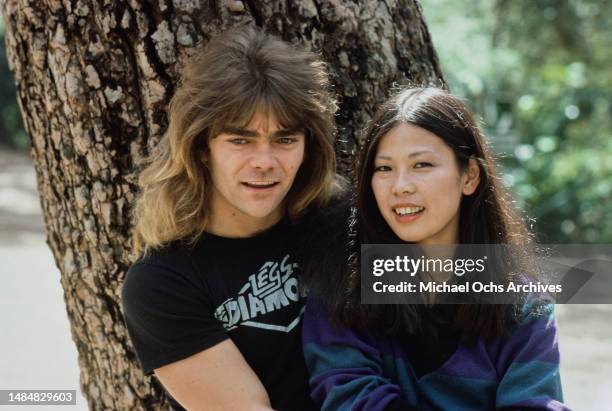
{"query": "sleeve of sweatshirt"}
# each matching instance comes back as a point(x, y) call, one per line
point(346, 370)
point(529, 363)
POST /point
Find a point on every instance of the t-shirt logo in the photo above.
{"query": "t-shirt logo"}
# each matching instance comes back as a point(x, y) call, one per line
point(272, 288)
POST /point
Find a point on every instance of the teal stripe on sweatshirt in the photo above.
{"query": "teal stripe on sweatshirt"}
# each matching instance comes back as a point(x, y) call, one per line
point(529, 380)
point(447, 392)
point(326, 358)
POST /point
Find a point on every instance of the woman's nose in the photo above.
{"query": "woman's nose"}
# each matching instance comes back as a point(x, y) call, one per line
point(403, 184)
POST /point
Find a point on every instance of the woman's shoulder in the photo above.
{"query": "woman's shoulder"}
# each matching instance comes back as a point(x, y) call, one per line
point(535, 307)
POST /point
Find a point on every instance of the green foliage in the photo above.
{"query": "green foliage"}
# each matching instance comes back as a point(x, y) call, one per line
point(537, 72)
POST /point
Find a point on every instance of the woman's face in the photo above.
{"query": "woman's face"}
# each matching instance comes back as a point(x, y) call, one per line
point(418, 185)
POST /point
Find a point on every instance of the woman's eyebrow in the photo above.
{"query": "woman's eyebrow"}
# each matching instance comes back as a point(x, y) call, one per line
point(413, 154)
point(419, 152)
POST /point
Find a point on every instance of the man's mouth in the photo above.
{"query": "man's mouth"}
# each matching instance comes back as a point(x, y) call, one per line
point(260, 184)
point(404, 211)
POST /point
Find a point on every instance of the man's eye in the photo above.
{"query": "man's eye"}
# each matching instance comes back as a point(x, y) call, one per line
point(422, 164)
point(382, 168)
point(287, 140)
point(239, 141)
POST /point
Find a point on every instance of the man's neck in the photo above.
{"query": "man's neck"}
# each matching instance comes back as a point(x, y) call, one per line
point(233, 225)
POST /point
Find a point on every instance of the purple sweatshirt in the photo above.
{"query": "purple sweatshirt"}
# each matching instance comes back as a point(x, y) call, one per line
point(362, 371)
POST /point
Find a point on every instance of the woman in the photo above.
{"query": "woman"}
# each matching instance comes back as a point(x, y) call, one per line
point(425, 176)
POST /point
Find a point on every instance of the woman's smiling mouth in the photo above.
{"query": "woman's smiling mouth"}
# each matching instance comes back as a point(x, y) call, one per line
point(402, 211)
point(404, 214)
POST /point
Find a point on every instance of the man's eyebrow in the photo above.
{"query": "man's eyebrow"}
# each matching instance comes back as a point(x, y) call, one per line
point(285, 132)
point(238, 131)
point(244, 132)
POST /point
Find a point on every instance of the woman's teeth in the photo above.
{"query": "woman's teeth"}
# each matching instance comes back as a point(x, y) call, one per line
point(408, 210)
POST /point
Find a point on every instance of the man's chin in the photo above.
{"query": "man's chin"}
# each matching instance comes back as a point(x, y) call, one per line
point(263, 213)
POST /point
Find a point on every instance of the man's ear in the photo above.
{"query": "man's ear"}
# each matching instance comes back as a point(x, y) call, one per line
point(202, 147)
point(204, 156)
point(471, 177)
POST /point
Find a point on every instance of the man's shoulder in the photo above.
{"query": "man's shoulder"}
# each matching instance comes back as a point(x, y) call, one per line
point(334, 213)
point(323, 236)
point(170, 254)
point(171, 263)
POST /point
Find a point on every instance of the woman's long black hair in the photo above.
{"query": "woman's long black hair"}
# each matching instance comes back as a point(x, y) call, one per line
point(486, 217)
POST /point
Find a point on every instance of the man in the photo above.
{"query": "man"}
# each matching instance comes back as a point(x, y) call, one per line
point(213, 306)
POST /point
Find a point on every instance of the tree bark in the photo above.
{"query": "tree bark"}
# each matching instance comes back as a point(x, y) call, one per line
point(93, 80)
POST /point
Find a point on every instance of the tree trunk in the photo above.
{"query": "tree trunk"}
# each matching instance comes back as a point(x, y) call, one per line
point(93, 80)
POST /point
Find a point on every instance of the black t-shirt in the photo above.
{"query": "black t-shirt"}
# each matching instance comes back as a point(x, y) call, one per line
point(181, 300)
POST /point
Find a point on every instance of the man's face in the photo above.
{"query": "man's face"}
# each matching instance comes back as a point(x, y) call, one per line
point(252, 169)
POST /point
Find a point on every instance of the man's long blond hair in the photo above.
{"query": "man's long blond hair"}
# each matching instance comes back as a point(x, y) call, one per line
point(239, 72)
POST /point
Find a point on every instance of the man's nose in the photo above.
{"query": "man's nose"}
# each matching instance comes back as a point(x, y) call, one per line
point(403, 184)
point(263, 157)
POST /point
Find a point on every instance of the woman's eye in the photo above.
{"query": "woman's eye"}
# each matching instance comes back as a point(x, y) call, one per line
point(382, 168)
point(422, 164)
point(239, 141)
